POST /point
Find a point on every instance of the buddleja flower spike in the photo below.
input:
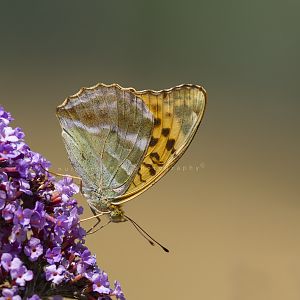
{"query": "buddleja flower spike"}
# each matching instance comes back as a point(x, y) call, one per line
point(42, 251)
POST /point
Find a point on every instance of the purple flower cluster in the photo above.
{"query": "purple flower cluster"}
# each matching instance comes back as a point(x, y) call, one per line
point(42, 251)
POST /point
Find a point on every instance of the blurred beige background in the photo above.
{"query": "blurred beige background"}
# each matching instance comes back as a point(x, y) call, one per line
point(229, 211)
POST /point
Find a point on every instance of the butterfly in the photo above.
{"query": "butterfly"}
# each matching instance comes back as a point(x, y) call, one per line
point(121, 141)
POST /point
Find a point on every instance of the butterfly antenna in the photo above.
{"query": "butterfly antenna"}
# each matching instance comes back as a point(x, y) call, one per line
point(142, 234)
point(148, 237)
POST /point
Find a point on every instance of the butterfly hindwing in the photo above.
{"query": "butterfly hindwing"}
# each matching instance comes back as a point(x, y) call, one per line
point(106, 130)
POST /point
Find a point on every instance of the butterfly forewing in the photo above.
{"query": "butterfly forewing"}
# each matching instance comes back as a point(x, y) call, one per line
point(106, 131)
point(177, 114)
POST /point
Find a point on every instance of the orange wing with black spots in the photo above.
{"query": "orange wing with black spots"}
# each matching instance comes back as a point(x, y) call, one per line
point(177, 114)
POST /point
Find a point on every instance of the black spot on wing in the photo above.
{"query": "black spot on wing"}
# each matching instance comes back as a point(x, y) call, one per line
point(151, 169)
point(153, 142)
point(157, 121)
point(154, 155)
point(165, 131)
point(140, 176)
point(156, 159)
point(170, 144)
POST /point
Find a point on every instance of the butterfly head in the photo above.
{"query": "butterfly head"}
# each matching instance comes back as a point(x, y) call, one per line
point(102, 205)
point(116, 214)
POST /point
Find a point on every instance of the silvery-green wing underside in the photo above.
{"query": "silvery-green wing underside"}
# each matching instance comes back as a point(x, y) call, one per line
point(106, 131)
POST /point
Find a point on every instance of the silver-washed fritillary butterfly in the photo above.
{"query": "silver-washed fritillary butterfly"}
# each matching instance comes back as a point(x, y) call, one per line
point(121, 141)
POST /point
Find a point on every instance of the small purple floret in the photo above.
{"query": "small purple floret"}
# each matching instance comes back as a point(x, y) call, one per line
point(53, 255)
point(21, 275)
point(100, 283)
point(34, 249)
point(55, 274)
point(8, 294)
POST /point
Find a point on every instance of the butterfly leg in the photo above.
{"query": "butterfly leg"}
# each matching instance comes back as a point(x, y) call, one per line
point(65, 175)
point(97, 223)
point(89, 231)
point(80, 186)
point(95, 216)
point(61, 175)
